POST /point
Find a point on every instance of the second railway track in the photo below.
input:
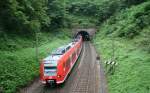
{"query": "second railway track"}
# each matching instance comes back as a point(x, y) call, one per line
point(84, 77)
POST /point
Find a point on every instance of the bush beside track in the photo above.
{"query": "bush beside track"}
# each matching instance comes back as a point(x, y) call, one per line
point(19, 67)
point(129, 30)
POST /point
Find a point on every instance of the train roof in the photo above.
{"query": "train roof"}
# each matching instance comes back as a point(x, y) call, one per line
point(59, 51)
point(56, 54)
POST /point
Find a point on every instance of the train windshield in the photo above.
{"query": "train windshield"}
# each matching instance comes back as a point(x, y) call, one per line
point(50, 70)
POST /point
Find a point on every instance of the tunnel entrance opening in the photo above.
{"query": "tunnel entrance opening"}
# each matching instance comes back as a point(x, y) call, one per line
point(85, 35)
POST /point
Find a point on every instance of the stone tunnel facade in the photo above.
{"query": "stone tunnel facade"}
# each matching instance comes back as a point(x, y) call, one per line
point(87, 33)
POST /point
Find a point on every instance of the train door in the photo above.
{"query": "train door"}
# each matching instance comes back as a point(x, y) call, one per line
point(74, 57)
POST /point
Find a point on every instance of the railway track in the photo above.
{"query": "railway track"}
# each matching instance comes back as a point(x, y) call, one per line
point(84, 77)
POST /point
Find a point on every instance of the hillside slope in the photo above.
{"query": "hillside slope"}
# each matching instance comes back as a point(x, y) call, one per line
point(129, 31)
point(18, 66)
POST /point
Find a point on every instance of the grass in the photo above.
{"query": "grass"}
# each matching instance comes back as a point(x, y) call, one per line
point(129, 30)
point(19, 67)
point(129, 22)
point(133, 71)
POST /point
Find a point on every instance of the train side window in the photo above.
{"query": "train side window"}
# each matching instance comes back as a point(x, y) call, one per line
point(78, 50)
point(68, 48)
point(74, 54)
point(64, 64)
point(63, 51)
point(68, 62)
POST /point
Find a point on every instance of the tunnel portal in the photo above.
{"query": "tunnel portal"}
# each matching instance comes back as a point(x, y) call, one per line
point(84, 34)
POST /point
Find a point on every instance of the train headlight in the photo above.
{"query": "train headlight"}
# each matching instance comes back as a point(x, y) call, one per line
point(59, 76)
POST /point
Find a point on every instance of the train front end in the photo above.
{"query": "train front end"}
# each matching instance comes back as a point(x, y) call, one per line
point(48, 70)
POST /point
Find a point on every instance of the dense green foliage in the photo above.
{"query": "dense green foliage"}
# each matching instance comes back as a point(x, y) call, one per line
point(102, 10)
point(25, 18)
point(125, 21)
point(19, 21)
point(23, 15)
point(133, 70)
point(19, 67)
point(129, 29)
point(28, 16)
point(130, 23)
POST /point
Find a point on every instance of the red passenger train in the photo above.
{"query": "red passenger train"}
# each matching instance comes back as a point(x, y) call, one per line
point(55, 68)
